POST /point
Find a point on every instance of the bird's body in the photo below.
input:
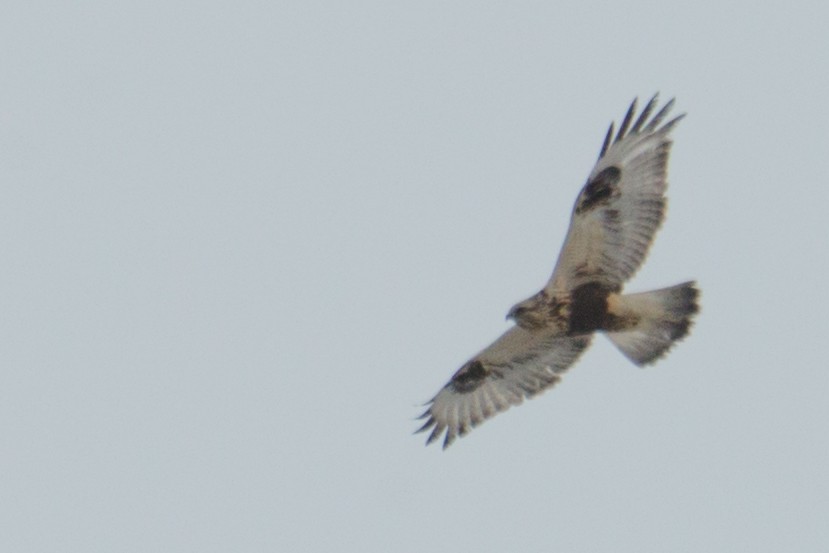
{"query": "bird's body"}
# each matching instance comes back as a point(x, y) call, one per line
point(613, 223)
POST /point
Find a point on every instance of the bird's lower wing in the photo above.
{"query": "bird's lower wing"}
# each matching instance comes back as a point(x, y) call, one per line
point(518, 365)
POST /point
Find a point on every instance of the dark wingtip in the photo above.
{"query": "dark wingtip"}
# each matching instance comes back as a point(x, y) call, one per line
point(608, 137)
point(425, 414)
point(429, 423)
point(623, 128)
point(641, 124)
point(435, 434)
point(673, 122)
point(645, 114)
point(657, 119)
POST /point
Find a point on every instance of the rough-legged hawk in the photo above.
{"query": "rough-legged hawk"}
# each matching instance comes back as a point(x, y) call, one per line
point(613, 223)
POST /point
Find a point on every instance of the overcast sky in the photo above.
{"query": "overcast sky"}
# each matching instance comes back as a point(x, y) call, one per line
point(242, 243)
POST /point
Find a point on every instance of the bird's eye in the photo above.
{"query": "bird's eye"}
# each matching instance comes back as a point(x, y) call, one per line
point(517, 312)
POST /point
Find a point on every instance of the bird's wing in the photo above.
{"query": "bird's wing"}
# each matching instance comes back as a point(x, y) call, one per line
point(518, 365)
point(621, 207)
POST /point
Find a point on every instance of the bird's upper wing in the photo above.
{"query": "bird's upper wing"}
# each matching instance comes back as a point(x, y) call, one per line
point(517, 365)
point(622, 205)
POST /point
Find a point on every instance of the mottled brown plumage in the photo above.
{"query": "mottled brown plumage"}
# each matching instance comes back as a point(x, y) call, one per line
point(614, 220)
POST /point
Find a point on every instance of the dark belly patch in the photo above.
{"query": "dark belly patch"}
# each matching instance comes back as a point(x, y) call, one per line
point(589, 308)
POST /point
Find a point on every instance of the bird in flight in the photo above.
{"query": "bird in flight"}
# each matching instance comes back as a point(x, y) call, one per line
point(614, 220)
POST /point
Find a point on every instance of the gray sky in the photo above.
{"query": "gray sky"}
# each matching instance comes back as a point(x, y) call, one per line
point(241, 244)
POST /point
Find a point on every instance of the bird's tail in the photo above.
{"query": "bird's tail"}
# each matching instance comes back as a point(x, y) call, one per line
point(658, 319)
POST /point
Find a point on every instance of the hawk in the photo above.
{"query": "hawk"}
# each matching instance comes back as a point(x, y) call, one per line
point(613, 223)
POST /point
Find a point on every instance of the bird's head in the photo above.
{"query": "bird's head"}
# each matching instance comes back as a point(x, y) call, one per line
point(530, 313)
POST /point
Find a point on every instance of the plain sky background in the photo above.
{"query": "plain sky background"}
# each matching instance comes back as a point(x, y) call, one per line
point(242, 242)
